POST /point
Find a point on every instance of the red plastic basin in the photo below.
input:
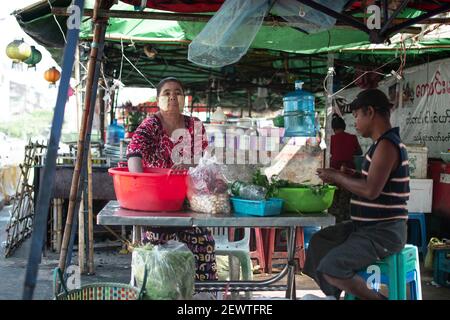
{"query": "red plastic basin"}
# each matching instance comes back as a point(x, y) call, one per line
point(152, 190)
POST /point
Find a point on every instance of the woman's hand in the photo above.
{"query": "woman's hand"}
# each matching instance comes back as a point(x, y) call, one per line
point(328, 175)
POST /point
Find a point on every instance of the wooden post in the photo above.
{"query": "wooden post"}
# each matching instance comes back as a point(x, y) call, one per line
point(86, 124)
point(91, 269)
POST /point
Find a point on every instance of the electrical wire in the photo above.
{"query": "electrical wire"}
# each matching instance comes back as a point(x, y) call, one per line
point(139, 71)
point(348, 85)
point(121, 59)
point(57, 22)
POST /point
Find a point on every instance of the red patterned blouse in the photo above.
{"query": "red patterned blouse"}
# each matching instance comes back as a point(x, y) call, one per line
point(157, 150)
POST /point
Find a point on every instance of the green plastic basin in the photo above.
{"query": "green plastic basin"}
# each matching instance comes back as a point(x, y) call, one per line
point(304, 200)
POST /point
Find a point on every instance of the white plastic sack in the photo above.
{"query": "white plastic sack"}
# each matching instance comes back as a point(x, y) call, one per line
point(306, 18)
point(228, 35)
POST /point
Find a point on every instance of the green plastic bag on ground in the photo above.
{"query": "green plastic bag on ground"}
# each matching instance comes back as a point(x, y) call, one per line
point(170, 267)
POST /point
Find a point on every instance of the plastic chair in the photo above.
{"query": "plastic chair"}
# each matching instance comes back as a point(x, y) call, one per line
point(397, 271)
point(239, 249)
point(258, 253)
point(417, 235)
point(299, 244)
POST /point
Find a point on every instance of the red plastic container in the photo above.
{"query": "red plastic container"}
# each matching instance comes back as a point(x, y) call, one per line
point(152, 190)
point(440, 173)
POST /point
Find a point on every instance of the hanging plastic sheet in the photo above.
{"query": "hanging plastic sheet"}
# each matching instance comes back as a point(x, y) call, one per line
point(305, 18)
point(228, 35)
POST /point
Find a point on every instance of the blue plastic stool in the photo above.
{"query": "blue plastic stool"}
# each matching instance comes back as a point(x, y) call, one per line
point(308, 233)
point(397, 271)
point(418, 235)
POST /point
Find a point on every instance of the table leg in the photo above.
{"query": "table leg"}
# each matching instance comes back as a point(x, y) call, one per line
point(290, 291)
point(137, 234)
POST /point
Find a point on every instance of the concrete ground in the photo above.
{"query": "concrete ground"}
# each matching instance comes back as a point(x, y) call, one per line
point(112, 266)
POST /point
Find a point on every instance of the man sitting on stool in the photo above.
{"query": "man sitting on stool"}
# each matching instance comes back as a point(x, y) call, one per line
point(377, 227)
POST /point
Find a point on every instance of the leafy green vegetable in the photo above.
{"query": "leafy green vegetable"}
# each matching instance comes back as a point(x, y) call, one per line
point(170, 268)
point(277, 183)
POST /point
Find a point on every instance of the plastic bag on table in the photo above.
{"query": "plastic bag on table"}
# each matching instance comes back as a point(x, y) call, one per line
point(208, 188)
point(228, 35)
point(305, 17)
point(170, 270)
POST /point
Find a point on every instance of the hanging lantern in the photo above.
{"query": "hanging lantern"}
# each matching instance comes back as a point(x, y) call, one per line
point(34, 58)
point(18, 51)
point(52, 75)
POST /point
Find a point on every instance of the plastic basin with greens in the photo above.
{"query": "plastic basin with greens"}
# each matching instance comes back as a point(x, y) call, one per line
point(306, 199)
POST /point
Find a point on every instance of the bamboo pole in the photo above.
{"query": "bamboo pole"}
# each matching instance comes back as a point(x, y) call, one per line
point(78, 95)
point(328, 111)
point(81, 243)
point(249, 103)
point(101, 101)
point(59, 224)
point(99, 32)
point(54, 223)
point(91, 269)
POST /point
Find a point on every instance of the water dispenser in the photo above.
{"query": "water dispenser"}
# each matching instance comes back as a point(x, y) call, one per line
point(299, 113)
point(115, 132)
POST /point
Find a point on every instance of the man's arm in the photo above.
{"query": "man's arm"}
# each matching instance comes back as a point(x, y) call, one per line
point(384, 161)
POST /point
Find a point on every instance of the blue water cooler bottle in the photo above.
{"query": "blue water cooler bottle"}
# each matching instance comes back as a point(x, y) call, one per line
point(115, 132)
point(299, 113)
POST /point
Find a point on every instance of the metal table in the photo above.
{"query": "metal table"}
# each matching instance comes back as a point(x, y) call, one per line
point(113, 214)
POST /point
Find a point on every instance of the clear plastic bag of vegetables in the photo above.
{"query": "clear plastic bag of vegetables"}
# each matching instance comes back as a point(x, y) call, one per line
point(170, 270)
point(208, 188)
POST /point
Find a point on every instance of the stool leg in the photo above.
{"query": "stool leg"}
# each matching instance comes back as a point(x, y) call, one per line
point(300, 243)
point(260, 249)
point(270, 249)
point(423, 235)
point(393, 277)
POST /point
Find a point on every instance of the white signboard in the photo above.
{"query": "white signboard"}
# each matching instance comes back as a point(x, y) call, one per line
point(422, 110)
